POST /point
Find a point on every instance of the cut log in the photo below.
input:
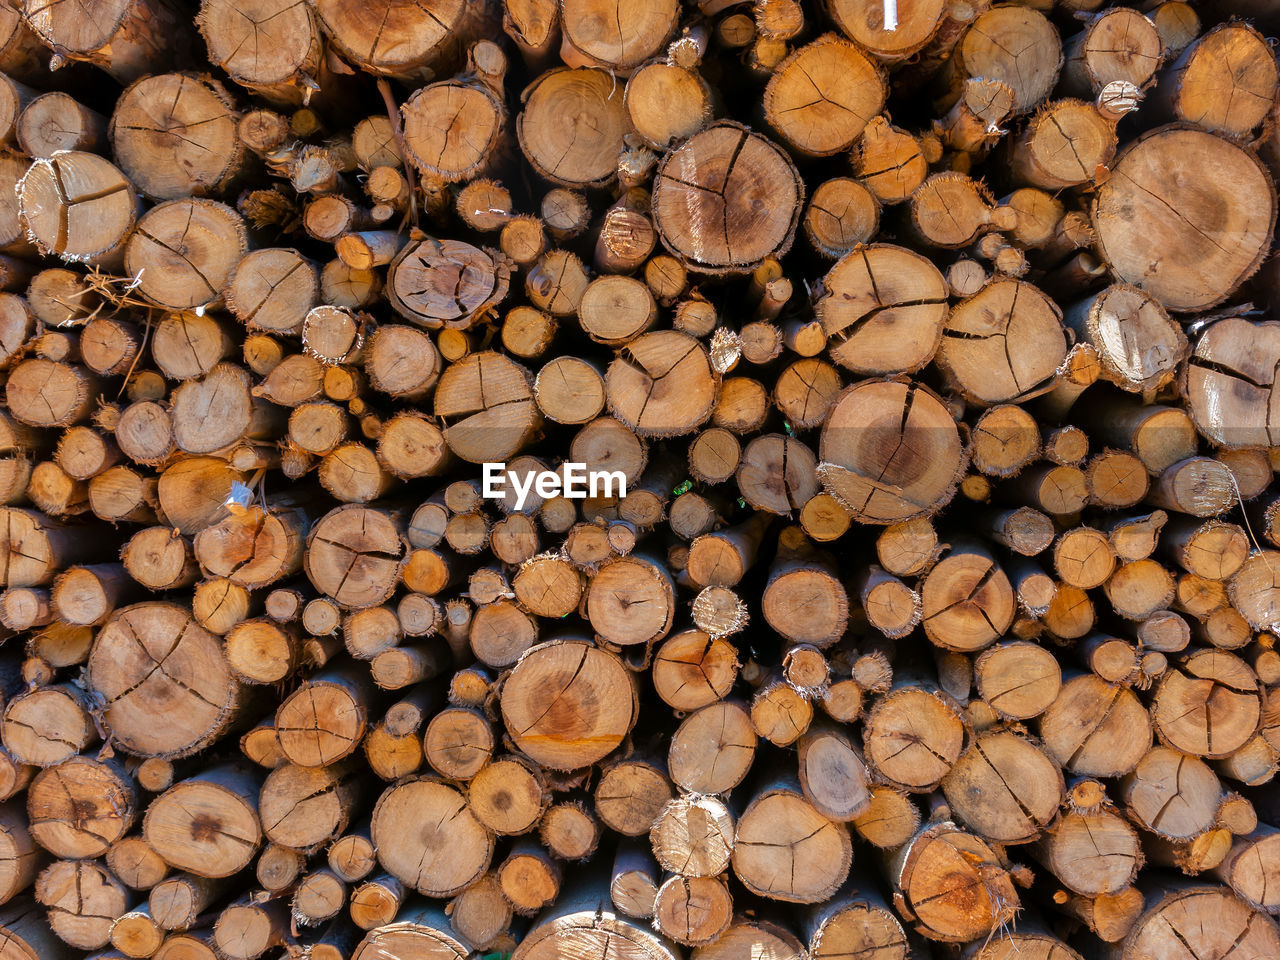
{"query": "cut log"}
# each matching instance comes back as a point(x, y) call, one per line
point(126, 40)
point(1199, 919)
point(174, 135)
point(1004, 788)
point(324, 720)
point(1096, 729)
point(1194, 272)
point(453, 129)
point(779, 826)
point(1197, 89)
point(153, 654)
point(1016, 45)
point(867, 466)
point(890, 39)
point(83, 899)
point(208, 824)
point(819, 99)
point(1117, 44)
point(721, 176)
point(913, 736)
point(952, 884)
point(79, 808)
point(883, 310)
point(557, 106)
point(567, 704)
point(1209, 707)
point(437, 860)
point(1227, 388)
point(78, 206)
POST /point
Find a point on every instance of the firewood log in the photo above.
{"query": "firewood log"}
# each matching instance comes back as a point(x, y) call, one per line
point(928, 888)
point(631, 720)
point(1193, 276)
point(162, 162)
point(126, 41)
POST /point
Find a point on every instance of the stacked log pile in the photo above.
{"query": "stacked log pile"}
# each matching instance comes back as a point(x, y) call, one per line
point(936, 344)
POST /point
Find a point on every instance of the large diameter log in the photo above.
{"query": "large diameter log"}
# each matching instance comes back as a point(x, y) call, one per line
point(786, 850)
point(401, 40)
point(584, 922)
point(1198, 921)
point(819, 99)
point(726, 199)
point(913, 736)
point(1003, 344)
point(571, 129)
point(637, 32)
point(1208, 706)
point(952, 884)
point(1005, 788)
point(445, 282)
point(78, 206)
point(303, 807)
point(186, 251)
point(486, 405)
point(661, 385)
point(568, 703)
point(855, 922)
point(1225, 82)
point(1094, 728)
point(890, 451)
point(83, 900)
point(271, 47)
point(1185, 216)
point(866, 22)
point(79, 808)
point(174, 135)
point(208, 824)
point(883, 309)
point(354, 555)
point(124, 39)
point(1016, 45)
point(1122, 315)
point(419, 931)
point(1229, 382)
point(153, 660)
point(26, 935)
point(454, 129)
point(428, 837)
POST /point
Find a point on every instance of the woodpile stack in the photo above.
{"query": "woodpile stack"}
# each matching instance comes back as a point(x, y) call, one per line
point(929, 349)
